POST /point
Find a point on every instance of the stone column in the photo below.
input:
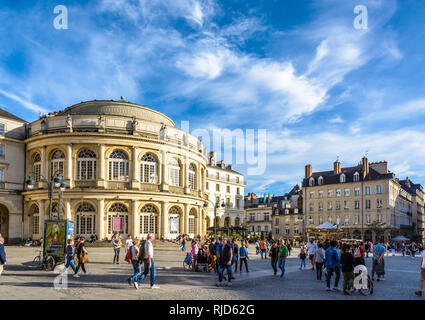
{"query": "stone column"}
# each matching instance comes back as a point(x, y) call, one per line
point(43, 167)
point(135, 174)
point(185, 219)
point(135, 220)
point(101, 167)
point(185, 182)
point(164, 172)
point(42, 209)
point(164, 219)
point(101, 219)
point(68, 172)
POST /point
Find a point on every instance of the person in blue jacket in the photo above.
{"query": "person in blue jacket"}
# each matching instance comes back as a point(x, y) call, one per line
point(333, 264)
point(2, 255)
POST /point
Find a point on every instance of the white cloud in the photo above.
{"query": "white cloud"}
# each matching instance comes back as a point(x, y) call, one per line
point(25, 103)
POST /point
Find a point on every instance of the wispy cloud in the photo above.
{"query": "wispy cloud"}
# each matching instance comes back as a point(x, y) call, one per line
point(27, 104)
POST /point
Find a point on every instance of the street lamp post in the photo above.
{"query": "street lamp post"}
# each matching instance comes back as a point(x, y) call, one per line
point(216, 205)
point(56, 181)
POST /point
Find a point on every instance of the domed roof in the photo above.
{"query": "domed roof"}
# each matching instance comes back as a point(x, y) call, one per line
point(118, 108)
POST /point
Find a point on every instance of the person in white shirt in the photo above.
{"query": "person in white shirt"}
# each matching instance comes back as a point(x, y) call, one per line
point(312, 247)
point(128, 243)
point(149, 263)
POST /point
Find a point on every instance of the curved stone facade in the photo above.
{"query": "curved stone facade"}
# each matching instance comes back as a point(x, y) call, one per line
point(129, 169)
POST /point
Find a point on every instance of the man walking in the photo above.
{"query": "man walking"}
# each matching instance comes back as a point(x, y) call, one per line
point(378, 261)
point(283, 254)
point(332, 265)
point(2, 255)
point(263, 249)
point(225, 263)
point(149, 263)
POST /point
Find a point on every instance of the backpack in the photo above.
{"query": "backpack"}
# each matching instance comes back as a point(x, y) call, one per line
point(357, 253)
point(128, 255)
point(142, 251)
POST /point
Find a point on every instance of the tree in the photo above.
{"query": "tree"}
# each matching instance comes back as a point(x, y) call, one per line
point(377, 227)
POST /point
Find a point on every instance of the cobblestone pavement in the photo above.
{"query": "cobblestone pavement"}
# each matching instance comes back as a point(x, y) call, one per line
point(108, 281)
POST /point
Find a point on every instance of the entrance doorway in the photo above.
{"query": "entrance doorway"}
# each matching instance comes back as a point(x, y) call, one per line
point(4, 222)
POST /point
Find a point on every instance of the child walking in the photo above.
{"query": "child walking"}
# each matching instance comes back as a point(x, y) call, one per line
point(303, 256)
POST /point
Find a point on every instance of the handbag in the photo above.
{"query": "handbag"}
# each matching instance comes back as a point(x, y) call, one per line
point(84, 258)
point(379, 269)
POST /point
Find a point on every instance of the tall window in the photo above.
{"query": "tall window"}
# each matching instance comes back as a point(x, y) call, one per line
point(356, 204)
point(118, 166)
point(356, 177)
point(357, 192)
point(338, 192)
point(379, 203)
point(2, 129)
point(192, 221)
point(149, 169)
point(174, 215)
point(35, 220)
point(379, 188)
point(192, 177)
point(118, 210)
point(36, 167)
point(86, 165)
point(342, 178)
point(1, 151)
point(1, 175)
point(85, 219)
point(320, 181)
point(367, 190)
point(174, 172)
point(148, 220)
point(57, 163)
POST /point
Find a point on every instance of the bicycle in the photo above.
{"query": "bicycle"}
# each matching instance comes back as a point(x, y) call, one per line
point(46, 263)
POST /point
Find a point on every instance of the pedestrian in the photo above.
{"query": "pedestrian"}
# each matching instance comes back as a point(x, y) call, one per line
point(274, 255)
point(332, 265)
point(149, 263)
point(82, 256)
point(134, 252)
point(378, 262)
point(422, 271)
point(303, 256)
point(225, 263)
point(403, 249)
point(116, 243)
point(243, 256)
point(283, 254)
point(183, 244)
point(289, 248)
point(235, 253)
point(263, 249)
point(347, 267)
point(358, 254)
point(311, 248)
point(413, 249)
point(393, 249)
point(213, 255)
point(3, 260)
point(319, 258)
point(367, 248)
point(257, 247)
point(69, 256)
point(128, 243)
point(194, 252)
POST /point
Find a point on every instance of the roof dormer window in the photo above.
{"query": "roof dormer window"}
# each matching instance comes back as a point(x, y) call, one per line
point(342, 178)
point(356, 177)
point(320, 181)
point(311, 182)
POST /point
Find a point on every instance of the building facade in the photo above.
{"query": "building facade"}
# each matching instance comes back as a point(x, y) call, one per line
point(224, 187)
point(357, 199)
point(417, 196)
point(12, 163)
point(129, 169)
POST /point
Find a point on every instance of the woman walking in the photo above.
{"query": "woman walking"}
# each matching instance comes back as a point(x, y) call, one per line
point(274, 255)
point(116, 243)
point(243, 256)
point(82, 256)
point(235, 253)
point(135, 262)
point(303, 256)
point(69, 252)
point(319, 257)
point(194, 253)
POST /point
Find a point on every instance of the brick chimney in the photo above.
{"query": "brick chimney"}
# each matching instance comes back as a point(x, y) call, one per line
point(365, 164)
point(337, 167)
point(308, 171)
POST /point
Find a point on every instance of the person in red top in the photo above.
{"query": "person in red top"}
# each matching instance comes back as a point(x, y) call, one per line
point(359, 253)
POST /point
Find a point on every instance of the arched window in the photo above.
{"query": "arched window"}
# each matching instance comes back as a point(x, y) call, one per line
point(227, 222)
point(174, 220)
point(118, 218)
point(86, 165)
point(356, 177)
point(148, 220)
point(320, 181)
point(149, 169)
point(192, 219)
point(237, 222)
point(311, 182)
point(35, 220)
point(342, 178)
point(192, 177)
point(118, 166)
point(36, 167)
point(85, 217)
point(174, 172)
point(57, 163)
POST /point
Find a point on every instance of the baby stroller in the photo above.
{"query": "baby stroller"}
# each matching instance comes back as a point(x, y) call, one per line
point(202, 260)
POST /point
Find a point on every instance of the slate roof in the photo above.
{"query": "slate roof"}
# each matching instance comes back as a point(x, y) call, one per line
point(5, 114)
point(329, 177)
point(409, 186)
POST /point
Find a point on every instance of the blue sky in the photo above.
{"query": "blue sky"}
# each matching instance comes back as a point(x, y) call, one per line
point(298, 69)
